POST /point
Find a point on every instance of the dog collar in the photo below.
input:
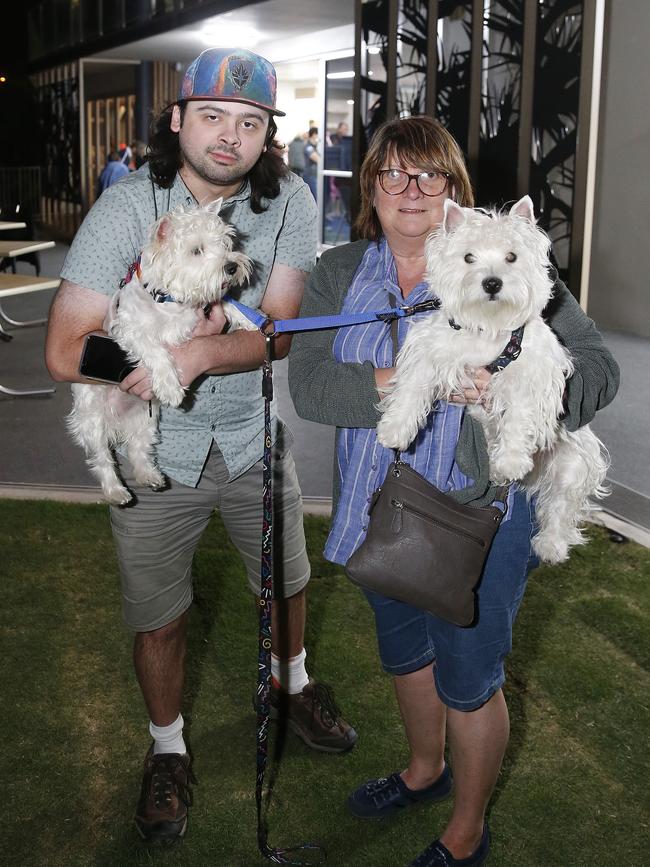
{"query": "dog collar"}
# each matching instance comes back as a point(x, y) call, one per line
point(511, 351)
point(161, 297)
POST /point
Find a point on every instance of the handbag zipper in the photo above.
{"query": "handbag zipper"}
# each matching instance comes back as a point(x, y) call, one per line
point(398, 504)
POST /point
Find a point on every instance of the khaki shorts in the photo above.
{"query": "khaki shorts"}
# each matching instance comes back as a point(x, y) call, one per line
point(156, 538)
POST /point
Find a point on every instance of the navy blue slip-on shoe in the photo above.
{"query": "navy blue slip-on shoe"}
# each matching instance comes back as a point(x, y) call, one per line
point(378, 799)
point(437, 854)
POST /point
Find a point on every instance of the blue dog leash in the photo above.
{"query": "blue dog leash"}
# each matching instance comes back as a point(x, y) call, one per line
point(274, 327)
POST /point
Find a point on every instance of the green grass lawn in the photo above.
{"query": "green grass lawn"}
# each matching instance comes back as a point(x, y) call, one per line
point(573, 790)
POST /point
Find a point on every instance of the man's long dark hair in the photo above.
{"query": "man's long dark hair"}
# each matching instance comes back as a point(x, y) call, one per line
point(165, 159)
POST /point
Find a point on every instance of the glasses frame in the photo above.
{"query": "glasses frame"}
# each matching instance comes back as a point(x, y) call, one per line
point(416, 178)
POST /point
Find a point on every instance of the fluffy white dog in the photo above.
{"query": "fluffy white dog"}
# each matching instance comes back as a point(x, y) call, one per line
point(490, 271)
point(187, 264)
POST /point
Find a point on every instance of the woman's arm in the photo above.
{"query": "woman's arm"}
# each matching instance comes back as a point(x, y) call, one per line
point(596, 377)
point(322, 389)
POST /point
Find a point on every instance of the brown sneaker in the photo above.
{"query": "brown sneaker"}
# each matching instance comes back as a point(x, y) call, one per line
point(161, 814)
point(313, 715)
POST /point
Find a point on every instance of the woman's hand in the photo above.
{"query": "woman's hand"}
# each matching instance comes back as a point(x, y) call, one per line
point(474, 392)
point(383, 376)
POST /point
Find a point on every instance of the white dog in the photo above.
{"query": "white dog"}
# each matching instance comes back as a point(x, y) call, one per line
point(490, 271)
point(187, 264)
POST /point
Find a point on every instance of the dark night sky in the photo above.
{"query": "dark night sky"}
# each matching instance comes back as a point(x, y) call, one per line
point(20, 137)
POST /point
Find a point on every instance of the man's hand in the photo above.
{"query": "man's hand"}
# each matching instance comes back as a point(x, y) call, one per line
point(474, 392)
point(138, 384)
point(213, 323)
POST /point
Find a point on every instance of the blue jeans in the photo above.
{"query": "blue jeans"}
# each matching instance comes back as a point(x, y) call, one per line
point(469, 661)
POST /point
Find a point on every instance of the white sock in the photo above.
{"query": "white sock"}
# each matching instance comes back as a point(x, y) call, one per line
point(168, 739)
point(290, 673)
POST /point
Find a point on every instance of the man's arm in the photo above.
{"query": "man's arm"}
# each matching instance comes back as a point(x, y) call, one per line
point(75, 312)
point(211, 352)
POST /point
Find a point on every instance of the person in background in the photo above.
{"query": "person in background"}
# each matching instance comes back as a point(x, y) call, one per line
point(448, 680)
point(311, 160)
point(296, 155)
point(139, 151)
point(342, 131)
point(217, 141)
point(113, 171)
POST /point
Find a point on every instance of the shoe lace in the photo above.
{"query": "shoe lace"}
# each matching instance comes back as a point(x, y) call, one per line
point(382, 790)
point(166, 782)
point(323, 697)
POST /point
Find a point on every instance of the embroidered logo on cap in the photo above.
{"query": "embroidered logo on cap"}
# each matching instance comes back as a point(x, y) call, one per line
point(241, 72)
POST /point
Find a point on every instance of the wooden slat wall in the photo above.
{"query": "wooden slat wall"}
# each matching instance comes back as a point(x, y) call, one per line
point(166, 81)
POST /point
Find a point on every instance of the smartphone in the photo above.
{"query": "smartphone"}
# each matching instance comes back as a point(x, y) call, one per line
point(104, 359)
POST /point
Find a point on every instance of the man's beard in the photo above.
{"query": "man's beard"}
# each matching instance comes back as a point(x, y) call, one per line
point(214, 173)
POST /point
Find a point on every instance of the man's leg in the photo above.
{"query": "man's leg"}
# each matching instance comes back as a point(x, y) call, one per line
point(159, 661)
point(155, 540)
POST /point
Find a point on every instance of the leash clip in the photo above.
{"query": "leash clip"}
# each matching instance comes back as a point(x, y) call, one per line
point(268, 330)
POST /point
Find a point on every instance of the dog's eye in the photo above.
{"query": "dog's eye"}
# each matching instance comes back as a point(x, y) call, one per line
point(511, 257)
point(231, 269)
point(197, 251)
point(469, 258)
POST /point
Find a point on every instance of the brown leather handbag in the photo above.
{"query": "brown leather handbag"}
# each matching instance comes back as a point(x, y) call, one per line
point(424, 548)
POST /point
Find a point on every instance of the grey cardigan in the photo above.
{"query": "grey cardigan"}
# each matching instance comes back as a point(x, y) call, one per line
point(327, 391)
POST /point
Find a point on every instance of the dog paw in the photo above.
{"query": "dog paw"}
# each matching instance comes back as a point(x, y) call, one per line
point(550, 549)
point(509, 468)
point(392, 435)
point(170, 394)
point(151, 477)
point(117, 495)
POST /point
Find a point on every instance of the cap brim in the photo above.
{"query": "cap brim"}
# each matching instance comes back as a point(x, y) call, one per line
point(232, 99)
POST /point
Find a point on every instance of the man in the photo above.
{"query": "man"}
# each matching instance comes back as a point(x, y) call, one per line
point(342, 131)
point(216, 141)
point(311, 160)
point(296, 155)
point(113, 171)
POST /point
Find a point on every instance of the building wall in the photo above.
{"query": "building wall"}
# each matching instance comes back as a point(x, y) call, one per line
point(619, 286)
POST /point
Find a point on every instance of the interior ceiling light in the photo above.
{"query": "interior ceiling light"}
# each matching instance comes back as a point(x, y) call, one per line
point(227, 34)
point(349, 74)
point(374, 49)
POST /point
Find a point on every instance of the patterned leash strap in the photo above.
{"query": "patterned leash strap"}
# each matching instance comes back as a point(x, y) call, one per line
point(277, 856)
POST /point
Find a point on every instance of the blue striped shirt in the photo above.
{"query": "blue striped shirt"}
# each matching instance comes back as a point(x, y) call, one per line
point(362, 462)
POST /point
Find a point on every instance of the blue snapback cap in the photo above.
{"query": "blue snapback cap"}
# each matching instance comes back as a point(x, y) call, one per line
point(234, 75)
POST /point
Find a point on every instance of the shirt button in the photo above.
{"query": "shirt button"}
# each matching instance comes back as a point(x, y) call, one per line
point(373, 467)
point(213, 427)
point(213, 389)
point(365, 527)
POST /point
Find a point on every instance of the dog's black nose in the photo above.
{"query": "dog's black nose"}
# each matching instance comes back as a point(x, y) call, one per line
point(231, 269)
point(492, 285)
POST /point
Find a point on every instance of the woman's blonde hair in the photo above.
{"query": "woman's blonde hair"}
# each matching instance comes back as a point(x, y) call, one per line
point(418, 141)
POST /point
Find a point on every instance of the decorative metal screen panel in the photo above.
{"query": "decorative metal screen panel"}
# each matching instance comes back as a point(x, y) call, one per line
point(555, 120)
point(59, 105)
point(504, 76)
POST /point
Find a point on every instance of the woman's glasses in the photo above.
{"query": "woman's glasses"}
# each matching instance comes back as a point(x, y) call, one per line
point(396, 181)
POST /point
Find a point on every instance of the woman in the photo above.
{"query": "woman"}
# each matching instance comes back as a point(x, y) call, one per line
point(447, 679)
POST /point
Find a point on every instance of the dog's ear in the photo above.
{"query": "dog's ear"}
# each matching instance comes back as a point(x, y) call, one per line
point(215, 206)
point(523, 208)
point(454, 216)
